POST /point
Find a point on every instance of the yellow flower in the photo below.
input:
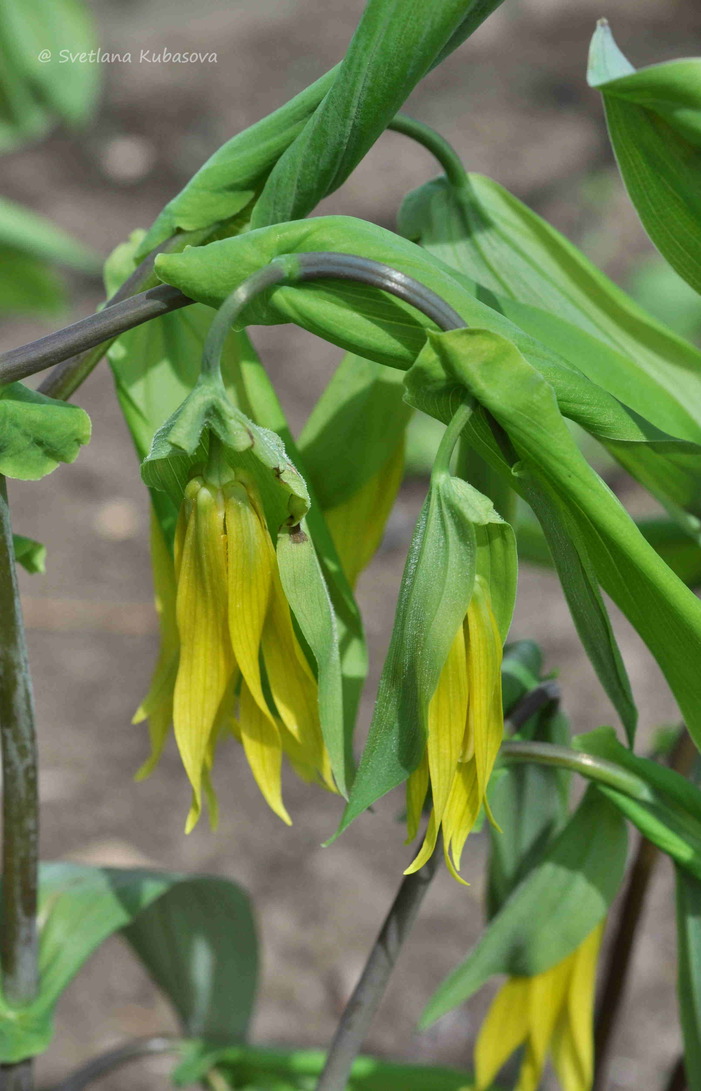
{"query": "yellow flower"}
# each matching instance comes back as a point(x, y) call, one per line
point(550, 1012)
point(228, 640)
point(465, 729)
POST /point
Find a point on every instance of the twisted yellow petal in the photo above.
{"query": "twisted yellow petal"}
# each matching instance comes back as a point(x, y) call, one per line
point(549, 1013)
point(250, 567)
point(573, 1044)
point(485, 720)
point(446, 727)
point(261, 742)
point(504, 1029)
point(416, 789)
point(206, 660)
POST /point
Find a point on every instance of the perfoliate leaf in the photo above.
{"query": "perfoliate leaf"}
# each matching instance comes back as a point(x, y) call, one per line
point(394, 47)
point(210, 981)
point(37, 433)
point(552, 909)
point(666, 614)
point(380, 327)
point(528, 271)
point(29, 553)
point(689, 971)
point(654, 122)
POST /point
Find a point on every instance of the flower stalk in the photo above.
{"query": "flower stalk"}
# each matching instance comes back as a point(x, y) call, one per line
point(18, 941)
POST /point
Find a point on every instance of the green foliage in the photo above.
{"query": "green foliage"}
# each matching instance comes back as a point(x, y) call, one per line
point(37, 433)
point(303, 582)
point(394, 47)
point(551, 910)
point(207, 972)
point(654, 122)
point(458, 535)
point(29, 553)
point(249, 1069)
point(353, 429)
point(666, 807)
point(37, 86)
point(528, 802)
point(198, 943)
point(665, 613)
point(689, 972)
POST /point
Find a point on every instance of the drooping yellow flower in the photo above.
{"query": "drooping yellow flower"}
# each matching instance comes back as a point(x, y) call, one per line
point(465, 729)
point(550, 1013)
point(228, 640)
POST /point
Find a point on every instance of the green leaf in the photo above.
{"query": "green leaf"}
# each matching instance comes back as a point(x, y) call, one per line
point(378, 326)
point(394, 47)
point(198, 943)
point(28, 286)
point(306, 591)
point(36, 432)
point(32, 234)
point(230, 179)
point(666, 537)
point(79, 907)
point(667, 809)
point(523, 267)
point(688, 891)
point(551, 911)
point(666, 614)
point(353, 429)
point(38, 88)
point(654, 123)
point(456, 525)
point(568, 548)
point(30, 554)
point(255, 1069)
point(529, 804)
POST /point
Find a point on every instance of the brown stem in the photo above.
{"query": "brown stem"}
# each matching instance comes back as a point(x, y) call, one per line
point(20, 805)
point(623, 943)
point(360, 1009)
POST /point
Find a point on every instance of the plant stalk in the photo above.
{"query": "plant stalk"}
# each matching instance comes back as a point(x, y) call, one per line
point(20, 805)
point(365, 1000)
point(627, 927)
point(115, 1058)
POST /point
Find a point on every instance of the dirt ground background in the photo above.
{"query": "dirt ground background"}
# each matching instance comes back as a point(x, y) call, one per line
point(514, 101)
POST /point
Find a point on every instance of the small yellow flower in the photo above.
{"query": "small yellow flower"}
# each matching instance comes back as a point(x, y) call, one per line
point(465, 729)
point(228, 640)
point(548, 1013)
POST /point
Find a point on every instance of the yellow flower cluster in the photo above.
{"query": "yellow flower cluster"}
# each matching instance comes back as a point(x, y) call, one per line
point(230, 658)
point(548, 1013)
